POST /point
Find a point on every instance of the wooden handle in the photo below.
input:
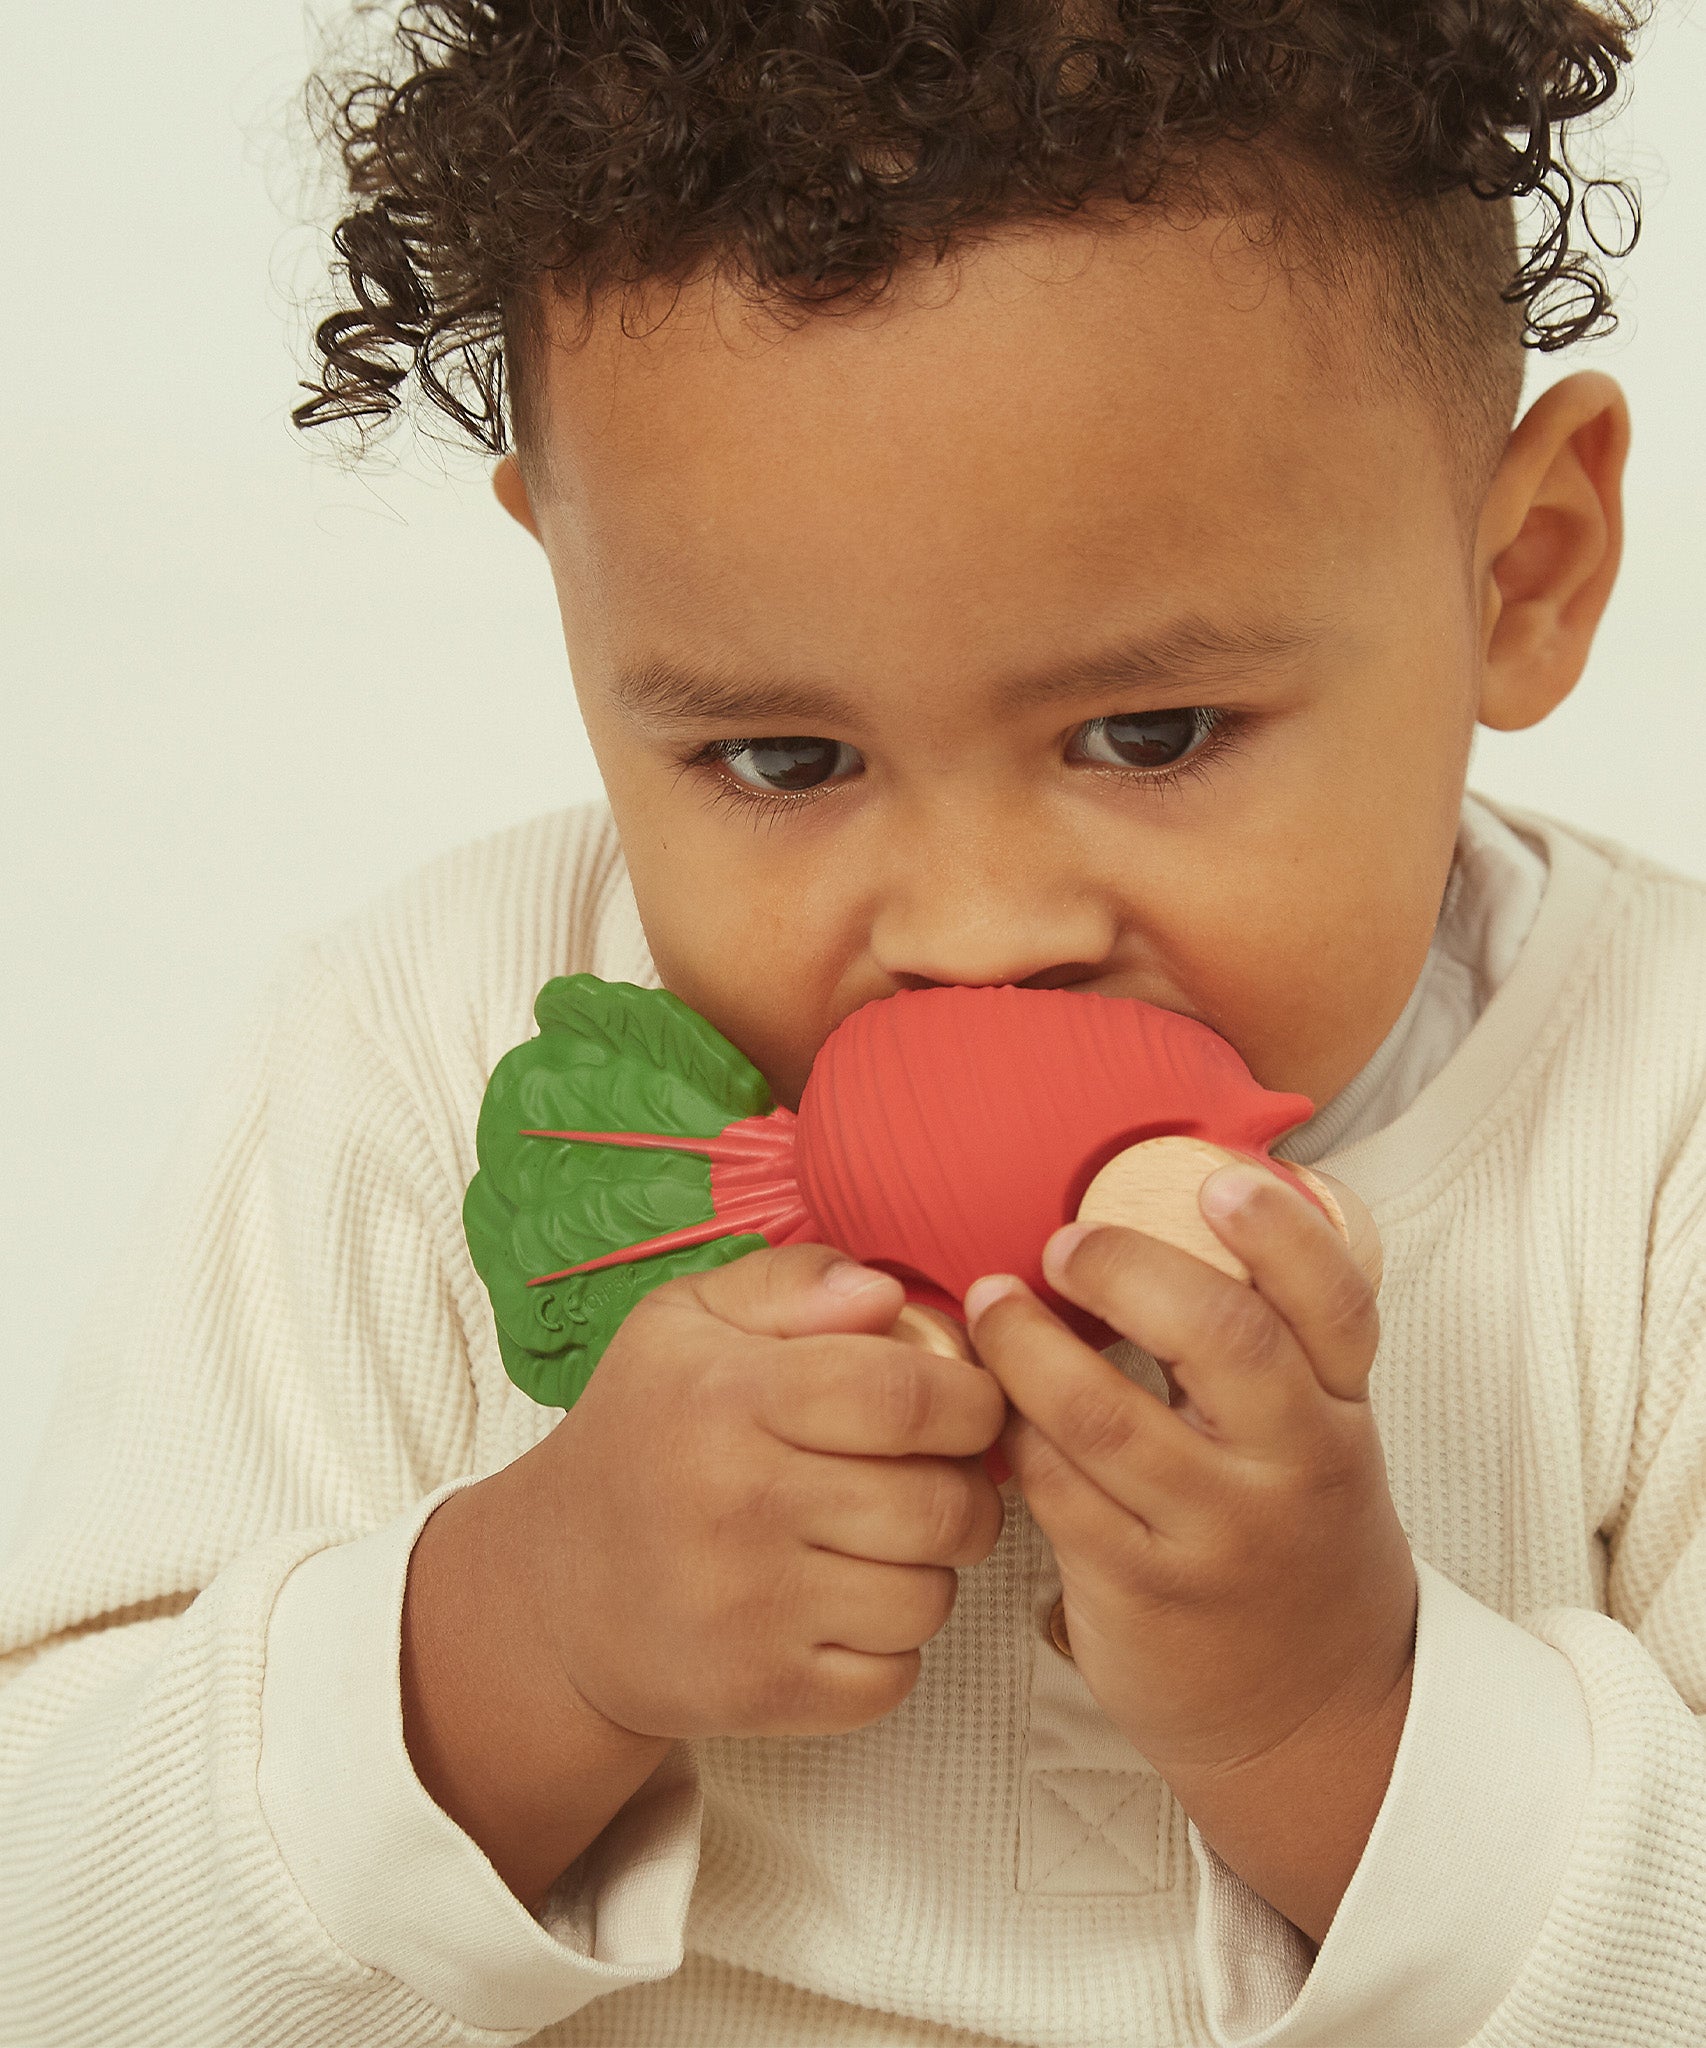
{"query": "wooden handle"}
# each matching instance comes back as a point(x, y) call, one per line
point(1152, 1187)
point(1350, 1215)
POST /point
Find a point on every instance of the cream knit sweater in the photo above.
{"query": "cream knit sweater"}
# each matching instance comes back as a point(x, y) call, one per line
point(210, 1836)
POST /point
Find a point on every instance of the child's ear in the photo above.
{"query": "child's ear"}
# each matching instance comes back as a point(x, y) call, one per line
point(1550, 539)
point(510, 488)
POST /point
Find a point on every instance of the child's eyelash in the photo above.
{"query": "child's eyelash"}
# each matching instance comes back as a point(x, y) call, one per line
point(1219, 734)
point(726, 789)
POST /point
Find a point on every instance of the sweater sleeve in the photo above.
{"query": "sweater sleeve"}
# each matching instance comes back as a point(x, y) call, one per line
point(1536, 1875)
point(267, 1400)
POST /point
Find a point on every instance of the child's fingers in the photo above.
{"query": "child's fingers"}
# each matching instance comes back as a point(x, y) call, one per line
point(941, 1511)
point(875, 1398)
point(1136, 1450)
point(1300, 1264)
point(1231, 1352)
point(799, 1291)
point(1078, 1517)
point(857, 1603)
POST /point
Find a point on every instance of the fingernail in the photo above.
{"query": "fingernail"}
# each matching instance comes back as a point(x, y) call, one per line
point(1228, 1188)
point(982, 1294)
point(1059, 1249)
point(844, 1277)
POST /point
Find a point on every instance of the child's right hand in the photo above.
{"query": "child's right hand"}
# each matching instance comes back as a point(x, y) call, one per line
point(751, 1519)
point(747, 1525)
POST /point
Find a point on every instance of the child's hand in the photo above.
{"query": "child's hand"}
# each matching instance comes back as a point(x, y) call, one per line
point(1238, 1590)
point(746, 1525)
point(751, 1519)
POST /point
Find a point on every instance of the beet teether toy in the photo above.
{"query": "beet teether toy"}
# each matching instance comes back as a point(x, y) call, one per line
point(942, 1133)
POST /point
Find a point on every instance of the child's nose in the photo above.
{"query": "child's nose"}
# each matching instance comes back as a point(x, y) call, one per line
point(975, 915)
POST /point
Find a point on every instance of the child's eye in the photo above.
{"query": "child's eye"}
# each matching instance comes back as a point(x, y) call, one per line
point(787, 764)
point(1143, 739)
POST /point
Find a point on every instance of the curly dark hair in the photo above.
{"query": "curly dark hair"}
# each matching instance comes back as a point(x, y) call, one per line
point(805, 149)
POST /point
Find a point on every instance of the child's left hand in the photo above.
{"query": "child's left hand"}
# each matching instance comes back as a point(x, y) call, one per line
point(1238, 1589)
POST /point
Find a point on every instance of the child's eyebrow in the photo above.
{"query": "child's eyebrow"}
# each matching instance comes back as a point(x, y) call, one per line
point(1188, 653)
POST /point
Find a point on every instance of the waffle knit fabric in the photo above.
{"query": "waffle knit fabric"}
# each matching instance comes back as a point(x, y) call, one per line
point(210, 1836)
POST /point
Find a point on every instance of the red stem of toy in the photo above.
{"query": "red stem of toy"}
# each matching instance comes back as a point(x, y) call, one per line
point(752, 1188)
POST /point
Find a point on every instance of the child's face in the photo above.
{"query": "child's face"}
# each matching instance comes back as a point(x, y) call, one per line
point(979, 556)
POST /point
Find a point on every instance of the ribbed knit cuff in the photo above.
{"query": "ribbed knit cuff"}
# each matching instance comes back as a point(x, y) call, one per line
point(392, 1878)
point(1463, 1860)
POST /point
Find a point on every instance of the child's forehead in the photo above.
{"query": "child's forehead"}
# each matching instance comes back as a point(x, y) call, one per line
point(1062, 373)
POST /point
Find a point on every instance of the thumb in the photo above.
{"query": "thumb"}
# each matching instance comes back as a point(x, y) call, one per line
point(800, 1290)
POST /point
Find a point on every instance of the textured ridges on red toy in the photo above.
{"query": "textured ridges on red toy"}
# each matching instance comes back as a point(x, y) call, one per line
point(948, 1132)
point(753, 1188)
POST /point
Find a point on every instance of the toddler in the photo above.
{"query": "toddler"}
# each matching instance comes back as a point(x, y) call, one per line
point(1034, 496)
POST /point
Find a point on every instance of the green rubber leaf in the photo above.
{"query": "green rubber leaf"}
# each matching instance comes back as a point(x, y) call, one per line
point(608, 1057)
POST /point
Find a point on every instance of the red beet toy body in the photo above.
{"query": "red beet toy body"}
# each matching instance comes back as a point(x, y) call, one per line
point(945, 1133)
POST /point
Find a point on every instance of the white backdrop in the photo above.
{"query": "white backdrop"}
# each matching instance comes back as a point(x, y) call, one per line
point(244, 688)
